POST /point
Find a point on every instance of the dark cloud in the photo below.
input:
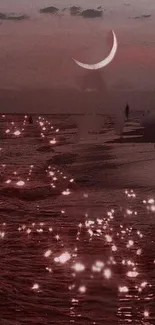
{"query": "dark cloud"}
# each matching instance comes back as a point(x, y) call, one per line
point(142, 17)
point(75, 11)
point(91, 13)
point(16, 17)
point(49, 10)
point(88, 13)
point(13, 17)
point(2, 16)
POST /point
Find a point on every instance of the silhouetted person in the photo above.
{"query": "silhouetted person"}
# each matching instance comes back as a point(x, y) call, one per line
point(30, 120)
point(127, 109)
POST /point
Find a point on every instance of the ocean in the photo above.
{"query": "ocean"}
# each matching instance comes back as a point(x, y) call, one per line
point(77, 221)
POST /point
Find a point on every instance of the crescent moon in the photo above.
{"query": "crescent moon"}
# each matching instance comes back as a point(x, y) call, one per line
point(105, 61)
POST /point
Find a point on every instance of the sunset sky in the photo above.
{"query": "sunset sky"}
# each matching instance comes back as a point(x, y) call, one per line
point(36, 53)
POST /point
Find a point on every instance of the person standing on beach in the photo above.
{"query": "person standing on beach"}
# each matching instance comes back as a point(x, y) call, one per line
point(127, 109)
point(30, 120)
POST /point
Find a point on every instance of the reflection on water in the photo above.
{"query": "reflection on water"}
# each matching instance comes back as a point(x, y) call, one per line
point(64, 257)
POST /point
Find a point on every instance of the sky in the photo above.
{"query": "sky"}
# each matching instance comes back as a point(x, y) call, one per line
point(36, 53)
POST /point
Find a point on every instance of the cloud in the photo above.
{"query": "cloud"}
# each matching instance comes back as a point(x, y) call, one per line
point(75, 11)
point(141, 17)
point(91, 13)
point(49, 10)
point(88, 13)
point(2, 16)
point(13, 17)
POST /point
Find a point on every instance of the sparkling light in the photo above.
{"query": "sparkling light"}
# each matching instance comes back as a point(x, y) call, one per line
point(20, 183)
point(48, 253)
point(35, 286)
point(146, 313)
point(132, 274)
point(82, 289)
point(107, 273)
point(17, 133)
point(63, 258)
point(78, 267)
point(123, 289)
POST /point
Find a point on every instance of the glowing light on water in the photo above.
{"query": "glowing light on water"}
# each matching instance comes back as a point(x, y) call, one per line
point(151, 201)
point(78, 267)
point(82, 289)
point(143, 284)
point(108, 238)
point(20, 183)
point(130, 243)
point(35, 286)
point(66, 192)
point(132, 274)
point(49, 269)
point(123, 289)
point(53, 141)
point(63, 258)
point(48, 253)
point(39, 230)
point(7, 131)
point(152, 208)
point(129, 212)
point(88, 223)
point(146, 313)
point(98, 266)
point(114, 248)
point(17, 132)
point(130, 263)
point(8, 181)
point(2, 234)
point(107, 273)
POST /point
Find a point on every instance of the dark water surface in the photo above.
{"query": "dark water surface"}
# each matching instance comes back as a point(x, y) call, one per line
point(77, 224)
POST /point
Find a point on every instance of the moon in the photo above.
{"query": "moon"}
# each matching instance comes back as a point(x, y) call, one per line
point(105, 61)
